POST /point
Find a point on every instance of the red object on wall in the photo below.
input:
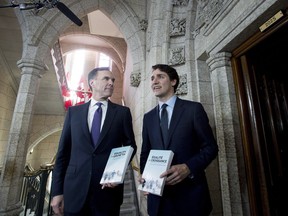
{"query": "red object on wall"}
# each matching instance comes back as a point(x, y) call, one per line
point(73, 98)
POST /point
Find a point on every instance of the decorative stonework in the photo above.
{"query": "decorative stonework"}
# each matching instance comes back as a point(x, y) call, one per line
point(177, 27)
point(143, 24)
point(182, 87)
point(135, 79)
point(211, 11)
point(206, 10)
point(176, 56)
point(180, 2)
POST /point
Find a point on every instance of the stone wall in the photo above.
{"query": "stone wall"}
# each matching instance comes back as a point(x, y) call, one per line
point(8, 94)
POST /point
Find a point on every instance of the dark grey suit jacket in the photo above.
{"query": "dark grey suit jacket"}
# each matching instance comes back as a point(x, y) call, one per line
point(79, 166)
point(193, 143)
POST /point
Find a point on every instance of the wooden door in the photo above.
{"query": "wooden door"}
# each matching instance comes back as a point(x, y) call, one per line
point(260, 71)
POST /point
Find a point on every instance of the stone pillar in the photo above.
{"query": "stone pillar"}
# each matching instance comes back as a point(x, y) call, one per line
point(15, 157)
point(228, 133)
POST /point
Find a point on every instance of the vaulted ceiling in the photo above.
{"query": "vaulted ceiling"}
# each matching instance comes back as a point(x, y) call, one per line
point(49, 99)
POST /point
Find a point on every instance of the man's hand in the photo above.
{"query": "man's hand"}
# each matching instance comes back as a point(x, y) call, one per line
point(176, 174)
point(57, 205)
point(142, 182)
point(110, 185)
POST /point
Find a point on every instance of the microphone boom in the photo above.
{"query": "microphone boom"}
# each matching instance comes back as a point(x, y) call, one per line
point(68, 13)
point(37, 4)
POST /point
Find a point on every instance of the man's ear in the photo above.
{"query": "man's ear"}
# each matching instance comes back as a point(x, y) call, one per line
point(91, 82)
point(173, 82)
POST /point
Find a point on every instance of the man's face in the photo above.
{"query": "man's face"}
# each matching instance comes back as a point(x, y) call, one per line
point(161, 85)
point(102, 85)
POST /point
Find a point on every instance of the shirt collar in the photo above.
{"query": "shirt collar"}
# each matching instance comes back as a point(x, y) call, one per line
point(170, 102)
point(93, 102)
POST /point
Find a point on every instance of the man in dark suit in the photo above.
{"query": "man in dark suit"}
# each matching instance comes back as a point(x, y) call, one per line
point(191, 139)
point(81, 159)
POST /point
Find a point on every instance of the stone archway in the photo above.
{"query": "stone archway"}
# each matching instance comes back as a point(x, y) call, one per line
point(39, 35)
point(42, 32)
point(43, 150)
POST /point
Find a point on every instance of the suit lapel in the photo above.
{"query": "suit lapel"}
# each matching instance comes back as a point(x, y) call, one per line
point(111, 112)
point(155, 127)
point(175, 118)
point(83, 115)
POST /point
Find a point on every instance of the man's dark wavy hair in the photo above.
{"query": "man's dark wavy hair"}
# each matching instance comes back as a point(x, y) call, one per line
point(170, 71)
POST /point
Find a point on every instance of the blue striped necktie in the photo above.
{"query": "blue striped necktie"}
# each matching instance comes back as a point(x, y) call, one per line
point(96, 124)
point(164, 124)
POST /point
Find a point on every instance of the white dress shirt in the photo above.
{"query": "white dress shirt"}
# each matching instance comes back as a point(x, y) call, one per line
point(170, 106)
point(92, 108)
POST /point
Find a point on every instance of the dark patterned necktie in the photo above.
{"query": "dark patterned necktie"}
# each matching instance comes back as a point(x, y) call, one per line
point(164, 124)
point(96, 124)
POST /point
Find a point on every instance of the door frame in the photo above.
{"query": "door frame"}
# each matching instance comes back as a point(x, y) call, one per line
point(250, 125)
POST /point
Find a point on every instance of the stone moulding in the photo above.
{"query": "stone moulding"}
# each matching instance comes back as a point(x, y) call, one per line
point(180, 2)
point(177, 27)
point(182, 87)
point(176, 56)
point(143, 25)
point(135, 79)
point(210, 13)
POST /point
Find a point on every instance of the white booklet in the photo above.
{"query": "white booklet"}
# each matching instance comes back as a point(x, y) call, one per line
point(157, 163)
point(116, 165)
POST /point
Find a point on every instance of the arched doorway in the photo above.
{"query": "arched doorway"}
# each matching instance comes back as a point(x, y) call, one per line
point(262, 91)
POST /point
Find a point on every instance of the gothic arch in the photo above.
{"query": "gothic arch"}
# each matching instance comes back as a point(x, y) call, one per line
point(117, 52)
point(41, 32)
point(40, 135)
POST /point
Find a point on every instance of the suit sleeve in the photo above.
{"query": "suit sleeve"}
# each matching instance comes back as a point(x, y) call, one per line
point(207, 143)
point(146, 146)
point(62, 157)
point(128, 136)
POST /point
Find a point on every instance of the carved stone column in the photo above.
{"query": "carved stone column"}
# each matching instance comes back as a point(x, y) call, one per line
point(228, 132)
point(15, 157)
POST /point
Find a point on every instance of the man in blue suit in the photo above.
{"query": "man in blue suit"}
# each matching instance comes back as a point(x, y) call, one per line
point(190, 137)
point(80, 161)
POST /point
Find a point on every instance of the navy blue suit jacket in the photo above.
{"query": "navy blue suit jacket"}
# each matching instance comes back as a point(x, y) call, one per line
point(193, 143)
point(79, 166)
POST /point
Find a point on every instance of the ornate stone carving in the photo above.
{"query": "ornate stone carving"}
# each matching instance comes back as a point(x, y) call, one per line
point(135, 79)
point(176, 56)
point(143, 24)
point(177, 27)
point(180, 2)
point(211, 11)
point(206, 10)
point(182, 87)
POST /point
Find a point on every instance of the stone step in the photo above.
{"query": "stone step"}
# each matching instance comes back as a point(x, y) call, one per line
point(128, 210)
